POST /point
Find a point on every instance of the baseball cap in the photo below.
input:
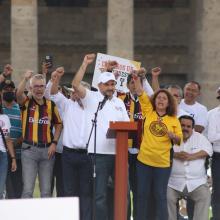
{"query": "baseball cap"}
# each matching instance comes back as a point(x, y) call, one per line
point(69, 89)
point(105, 77)
point(7, 84)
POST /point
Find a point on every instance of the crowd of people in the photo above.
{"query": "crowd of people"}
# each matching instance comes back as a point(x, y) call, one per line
point(47, 131)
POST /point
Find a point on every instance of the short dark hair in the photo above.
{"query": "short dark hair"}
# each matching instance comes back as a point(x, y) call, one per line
point(196, 83)
point(130, 77)
point(172, 106)
point(188, 117)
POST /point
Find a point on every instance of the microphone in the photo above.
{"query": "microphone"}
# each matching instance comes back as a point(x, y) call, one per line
point(102, 103)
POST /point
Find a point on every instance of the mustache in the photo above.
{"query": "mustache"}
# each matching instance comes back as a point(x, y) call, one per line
point(107, 91)
point(185, 131)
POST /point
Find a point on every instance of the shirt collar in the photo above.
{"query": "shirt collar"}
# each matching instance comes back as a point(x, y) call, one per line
point(36, 103)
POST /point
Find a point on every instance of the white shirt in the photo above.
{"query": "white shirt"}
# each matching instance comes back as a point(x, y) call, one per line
point(113, 110)
point(73, 121)
point(181, 112)
point(47, 95)
point(147, 88)
point(213, 128)
point(5, 125)
point(197, 111)
point(191, 174)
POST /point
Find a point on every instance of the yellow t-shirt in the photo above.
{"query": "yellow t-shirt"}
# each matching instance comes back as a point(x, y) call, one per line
point(156, 145)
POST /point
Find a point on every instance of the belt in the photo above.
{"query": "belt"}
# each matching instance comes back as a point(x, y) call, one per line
point(75, 150)
point(37, 144)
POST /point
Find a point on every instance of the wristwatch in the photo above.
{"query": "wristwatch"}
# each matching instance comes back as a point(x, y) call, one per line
point(54, 142)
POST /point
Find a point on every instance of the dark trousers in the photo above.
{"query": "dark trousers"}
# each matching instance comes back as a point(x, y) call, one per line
point(146, 176)
point(190, 208)
point(14, 184)
point(58, 176)
point(132, 161)
point(216, 186)
point(77, 179)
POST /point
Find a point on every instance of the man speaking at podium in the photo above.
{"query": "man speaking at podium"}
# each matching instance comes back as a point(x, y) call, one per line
point(111, 108)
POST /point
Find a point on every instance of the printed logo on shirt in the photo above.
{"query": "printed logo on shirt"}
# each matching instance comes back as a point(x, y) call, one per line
point(138, 116)
point(41, 121)
point(192, 115)
point(194, 148)
point(2, 123)
point(158, 128)
point(33, 108)
point(5, 130)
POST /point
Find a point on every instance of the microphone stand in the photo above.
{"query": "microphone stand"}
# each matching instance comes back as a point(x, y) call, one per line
point(94, 125)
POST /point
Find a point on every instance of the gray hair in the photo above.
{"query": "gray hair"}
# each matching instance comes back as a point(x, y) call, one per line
point(37, 77)
point(175, 86)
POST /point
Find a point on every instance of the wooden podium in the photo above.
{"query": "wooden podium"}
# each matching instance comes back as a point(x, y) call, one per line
point(120, 131)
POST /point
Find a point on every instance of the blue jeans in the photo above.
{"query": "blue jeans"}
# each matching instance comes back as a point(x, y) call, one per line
point(35, 161)
point(77, 179)
point(146, 176)
point(3, 171)
point(105, 168)
point(215, 186)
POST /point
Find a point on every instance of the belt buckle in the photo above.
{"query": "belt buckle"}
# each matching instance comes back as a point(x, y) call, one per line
point(43, 145)
point(35, 144)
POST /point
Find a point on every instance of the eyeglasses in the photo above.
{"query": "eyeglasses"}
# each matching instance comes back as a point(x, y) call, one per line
point(39, 86)
point(175, 95)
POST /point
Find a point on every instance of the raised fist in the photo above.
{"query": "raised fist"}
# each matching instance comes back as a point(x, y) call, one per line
point(110, 65)
point(60, 71)
point(142, 72)
point(28, 74)
point(8, 70)
point(89, 58)
point(156, 71)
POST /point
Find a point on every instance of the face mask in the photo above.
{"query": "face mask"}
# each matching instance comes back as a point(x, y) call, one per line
point(8, 96)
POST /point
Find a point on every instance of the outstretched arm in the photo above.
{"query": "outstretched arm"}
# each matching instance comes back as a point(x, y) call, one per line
point(21, 97)
point(88, 59)
point(55, 79)
point(137, 82)
point(155, 74)
point(146, 86)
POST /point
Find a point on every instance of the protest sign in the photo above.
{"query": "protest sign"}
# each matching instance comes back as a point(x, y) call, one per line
point(121, 72)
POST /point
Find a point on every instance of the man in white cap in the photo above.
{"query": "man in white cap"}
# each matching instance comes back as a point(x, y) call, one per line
point(111, 109)
point(213, 130)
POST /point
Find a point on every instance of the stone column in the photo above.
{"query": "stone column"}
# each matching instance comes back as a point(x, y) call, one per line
point(24, 37)
point(205, 48)
point(120, 28)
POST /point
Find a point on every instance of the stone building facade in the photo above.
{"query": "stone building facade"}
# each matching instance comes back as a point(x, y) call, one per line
point(181, 36)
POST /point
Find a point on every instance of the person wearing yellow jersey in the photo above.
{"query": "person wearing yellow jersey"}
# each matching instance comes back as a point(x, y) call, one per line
point(161, 130)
